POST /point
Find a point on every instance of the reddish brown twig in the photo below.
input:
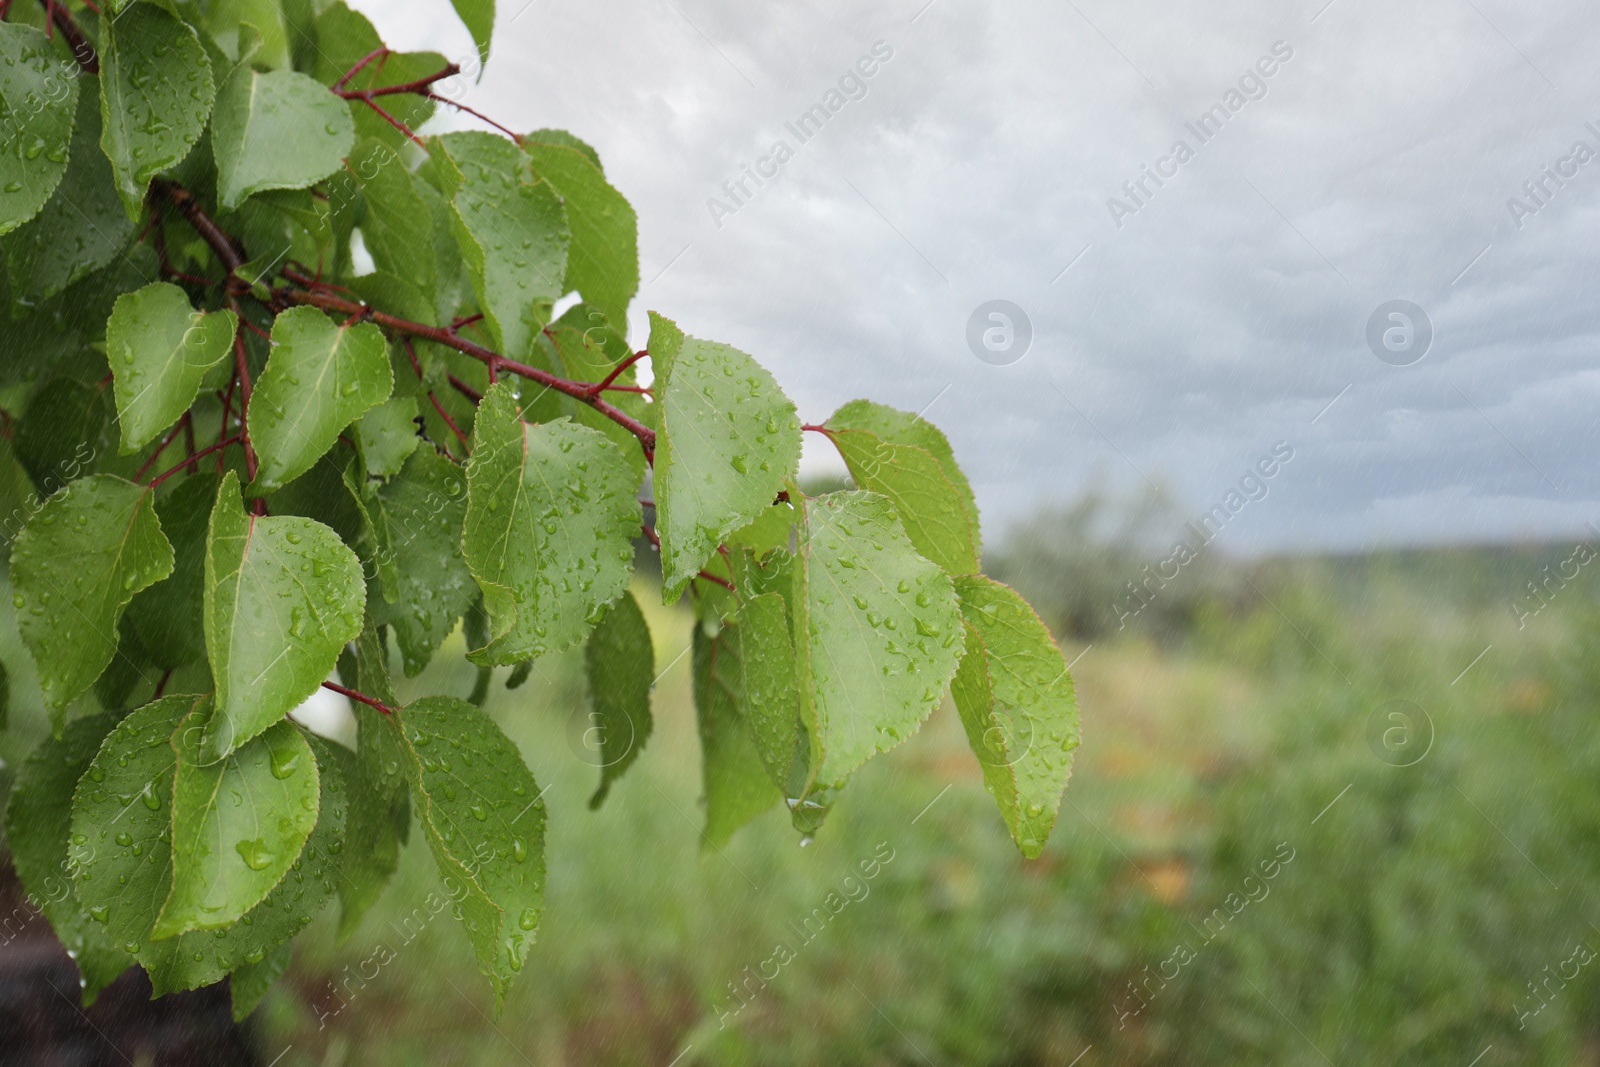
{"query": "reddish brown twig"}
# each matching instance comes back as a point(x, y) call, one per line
point(172, 435)
point(616, 372)
point(169, 472)
point(82, 50)
point(371, 702)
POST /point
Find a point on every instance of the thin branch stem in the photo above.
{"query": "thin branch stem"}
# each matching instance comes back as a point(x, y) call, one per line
point(226, 247)
point(172, 435)
point(371, 702)
point(224, 443)
point(418, 86)
point(448, 421)
point(353, 71)
point(617, 371)
point(577, 390)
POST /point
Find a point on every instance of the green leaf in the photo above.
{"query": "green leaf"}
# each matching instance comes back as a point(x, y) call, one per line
point(737, 789)
point(158, 93)
point(5, 697)
point(512, 231)
point(397, 228)
point(903, 428)
point(250, 983)
point(478, 17)
point(424, 508)
point(621, 666)
point(930, 506)
point(387, 435)
point(562, 137)
point(877, 633)
point(551, 516)
point(160, 350)
point(39, 92)
point(237, 825)
point(372, 843)
point(770, 699)
point(727, 443)
point(603, 258)
point(84, 555)
point(191, 960)
point(169, 616)
point(120, 846)
point(38, 821)
point(283, 596)
point(278, 130)
point(319, 378)
point(484, 821)
point(1018, 707)
point(252, 31)
point(81, 228)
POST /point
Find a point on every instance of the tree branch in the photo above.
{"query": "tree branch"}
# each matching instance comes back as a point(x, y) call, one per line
point(82, 50)
point(227, 248)
point(371, 702)
point(577, 390)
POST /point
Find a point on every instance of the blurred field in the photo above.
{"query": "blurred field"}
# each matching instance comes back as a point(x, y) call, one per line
point(1425, 914)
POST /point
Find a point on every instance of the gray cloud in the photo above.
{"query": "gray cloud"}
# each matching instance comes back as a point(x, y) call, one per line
point(1220, 318)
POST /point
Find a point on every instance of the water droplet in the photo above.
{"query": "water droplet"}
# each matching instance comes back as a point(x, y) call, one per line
point(255, 853)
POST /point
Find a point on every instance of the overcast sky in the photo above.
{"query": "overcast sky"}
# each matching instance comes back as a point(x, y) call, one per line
point(1175, 339)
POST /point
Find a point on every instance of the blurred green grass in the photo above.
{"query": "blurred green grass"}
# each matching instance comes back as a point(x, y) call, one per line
point(1427, 911)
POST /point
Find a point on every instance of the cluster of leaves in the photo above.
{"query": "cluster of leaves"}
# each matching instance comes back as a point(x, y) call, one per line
point(390, 450)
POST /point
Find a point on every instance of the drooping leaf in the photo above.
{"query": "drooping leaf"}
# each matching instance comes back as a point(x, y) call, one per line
point(1018, 707)
point(727, 443)
point(278, 130)
point(769, 700)
point(39, 94)
point(237, 825)
point(603, 258)
point(250, 983)
point(896, 427)
point(551, 514)
point(929, 505)
point(38, 822)
point(83, 556)
point(877, 633)
point(80, 229)
point(158, 92)
point(620, 662)
point(512, 231)
point(484, 822)
point(478, 17)
point(319, 378)
point(160, 350)
point(283, 595)
point(372, 843)
point(424, 508)
point(18, 499)
point(737, 788)
point(167, 617)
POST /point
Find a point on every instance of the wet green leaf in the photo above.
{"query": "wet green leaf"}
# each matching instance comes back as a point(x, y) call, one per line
point(74, 569)
point(620, 663)
point(423, 510)
point(727, 443)
point(319, 378)
point(603, 258)
point(158, 92)
point(278, 130)
point(482, 813)
point(283, 596)
point(1018, 707)
point(39, 93)
point(160, 350)
point(551, 515)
